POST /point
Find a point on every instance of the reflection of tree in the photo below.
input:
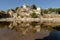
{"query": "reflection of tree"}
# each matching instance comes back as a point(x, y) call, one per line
point(45, 27)
point(33, 23)
point(57, 28)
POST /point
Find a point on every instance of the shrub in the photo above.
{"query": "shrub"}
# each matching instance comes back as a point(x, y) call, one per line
point(33, 15)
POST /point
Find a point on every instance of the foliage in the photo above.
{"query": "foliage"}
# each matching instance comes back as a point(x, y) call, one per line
point(50, 10)
point(33, 15)
point(58, 10)
point(11, 10)
point(16, 8)
point(33, 6)
point(45, 11)
point(2, 12)
point(57, 28)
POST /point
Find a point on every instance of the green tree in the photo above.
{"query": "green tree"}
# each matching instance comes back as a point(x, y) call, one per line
point(45, 11)
point(52, 9)
point(58, 10)
point(33, 15)
point(49, 10)
point(33, 6)
point(16, 8)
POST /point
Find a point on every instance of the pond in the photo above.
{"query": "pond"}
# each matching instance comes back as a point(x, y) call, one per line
point(6, 34)
point(46, 33)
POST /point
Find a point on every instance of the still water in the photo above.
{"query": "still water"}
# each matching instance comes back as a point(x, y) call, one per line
point(46, 33)
point(6, 34)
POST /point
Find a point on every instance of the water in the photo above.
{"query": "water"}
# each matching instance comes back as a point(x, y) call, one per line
point(6, 34)
point(45, 34)
point(54, 35)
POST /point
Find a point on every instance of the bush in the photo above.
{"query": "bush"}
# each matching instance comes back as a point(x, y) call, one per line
point(33, 15)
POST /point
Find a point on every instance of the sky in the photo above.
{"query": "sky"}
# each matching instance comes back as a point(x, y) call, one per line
point(8, 4)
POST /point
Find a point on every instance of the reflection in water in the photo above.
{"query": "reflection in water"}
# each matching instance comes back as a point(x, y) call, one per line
point(54, 35)
point(4, 24)
point(7, 34)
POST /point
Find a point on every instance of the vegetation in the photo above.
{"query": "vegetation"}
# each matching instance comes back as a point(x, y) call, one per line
point(16, 8)
point(33, 6)
point(51, 10)
point(12, 10)
point(2, 12)
point(57, 28)
point(58, 10)
point(34, 15)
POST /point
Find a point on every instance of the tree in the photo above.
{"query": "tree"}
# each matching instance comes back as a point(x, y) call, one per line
point(33, 6)
point(3, 12)
point(41, 11)
point(49, 10)
point(52, 9)
point(45, 11)
point(16, 8)
point(11, 10)
point(33, 15)
point(58, 10)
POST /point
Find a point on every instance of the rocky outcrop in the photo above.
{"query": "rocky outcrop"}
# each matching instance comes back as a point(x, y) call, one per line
point(23, 12)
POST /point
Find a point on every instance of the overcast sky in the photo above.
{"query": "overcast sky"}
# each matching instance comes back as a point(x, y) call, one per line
point(7, 4)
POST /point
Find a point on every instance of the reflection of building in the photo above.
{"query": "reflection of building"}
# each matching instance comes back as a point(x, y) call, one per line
point(4, 15)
